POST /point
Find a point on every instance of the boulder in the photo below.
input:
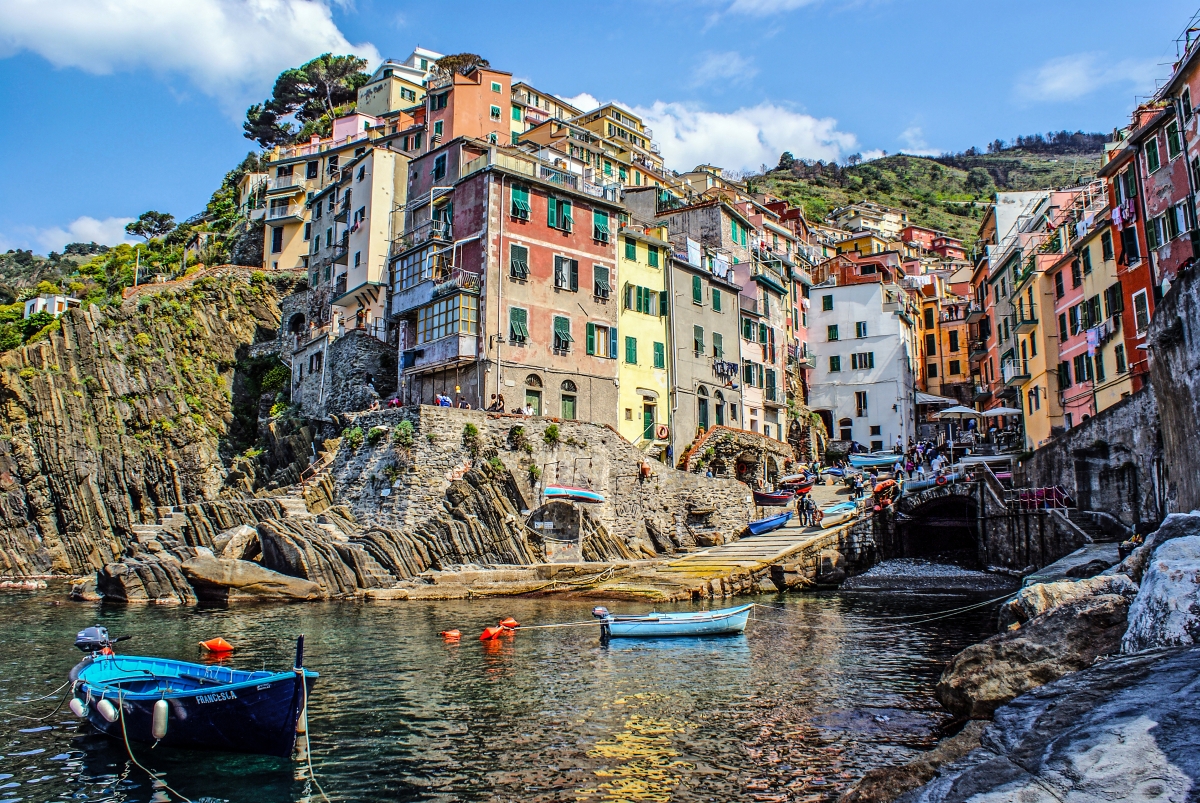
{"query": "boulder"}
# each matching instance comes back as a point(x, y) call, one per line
point(1176, 525)
point(225, 580)
point(300, 548)
point(1033, 601)
point(1123, 730)
point(1065, 639)
point(885, 784)
point(1166, 612)
point(145, 579)
point(237, 543)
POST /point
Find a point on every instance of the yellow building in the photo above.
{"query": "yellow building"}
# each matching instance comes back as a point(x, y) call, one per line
point(1034, 364)
point(632, 159)
point(1102, 295)
point(866, 242)
point(642, 262)
point(531, 108)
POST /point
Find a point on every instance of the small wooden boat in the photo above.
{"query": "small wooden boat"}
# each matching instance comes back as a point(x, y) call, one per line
point(722, 622)
point(770, 523)
point(797, 483)
point(181, 704)
point(876, 459)
point(572, 494)
point(837, 514)
point(773, 498)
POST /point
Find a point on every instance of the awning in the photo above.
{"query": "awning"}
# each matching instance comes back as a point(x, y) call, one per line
point(929, 398)
point(769, 282)
point(1003, 411)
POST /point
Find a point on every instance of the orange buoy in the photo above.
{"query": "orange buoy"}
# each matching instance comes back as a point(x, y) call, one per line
point(509, 622)
point(217, 644)
point(451, 635)
point(490, 633)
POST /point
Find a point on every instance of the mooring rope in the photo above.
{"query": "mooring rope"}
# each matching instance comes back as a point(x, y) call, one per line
point(868, 628)
point(10, 712)
point(312, 776)
point(153, 775)
point(902, 616)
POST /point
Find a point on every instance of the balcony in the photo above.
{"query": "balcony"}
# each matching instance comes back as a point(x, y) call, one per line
point(1025, 319)
point(1015, 372)
point(539, 171)
point(430, 230)
point(285, 184)
point(982, 393)
point(341, 251)
point(284, 213)
point(976, 350)
point(974, 312)
point(438, 353)
point(339, 286)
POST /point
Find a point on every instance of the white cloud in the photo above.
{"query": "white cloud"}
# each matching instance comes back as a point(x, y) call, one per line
point(914, 142)
point(762, 8)
point(584, 101)
point(742, 139)
point(110, 231)
point(728, 67)
point(230, 49)
point(1068, 78)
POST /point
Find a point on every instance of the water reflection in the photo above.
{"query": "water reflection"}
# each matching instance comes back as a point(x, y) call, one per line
point(817, 691)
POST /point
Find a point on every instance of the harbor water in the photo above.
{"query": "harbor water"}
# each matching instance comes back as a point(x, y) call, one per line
point(818, 690)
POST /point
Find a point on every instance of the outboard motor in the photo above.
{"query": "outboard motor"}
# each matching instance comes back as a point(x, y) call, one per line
point(599, 612)
point(93, 639)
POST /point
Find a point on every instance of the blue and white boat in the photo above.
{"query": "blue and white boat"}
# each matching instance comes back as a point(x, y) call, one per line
point(837, 514)
point(769, 524)
point(722, 622)
point(181, 704)
point(572, 494)
point(875, 459)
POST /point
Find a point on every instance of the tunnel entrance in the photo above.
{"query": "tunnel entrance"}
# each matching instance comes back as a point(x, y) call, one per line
point(941, 530)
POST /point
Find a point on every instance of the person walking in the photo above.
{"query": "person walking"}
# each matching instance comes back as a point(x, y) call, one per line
point(909, 466)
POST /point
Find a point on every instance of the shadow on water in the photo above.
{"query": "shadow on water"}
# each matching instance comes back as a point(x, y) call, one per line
point(819, 689)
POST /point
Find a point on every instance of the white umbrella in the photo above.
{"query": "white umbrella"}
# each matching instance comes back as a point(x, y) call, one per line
point(959, 412)
point(1002, 411)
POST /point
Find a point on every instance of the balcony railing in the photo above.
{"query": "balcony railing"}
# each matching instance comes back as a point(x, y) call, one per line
point(977, 349)
point(1014, 372)
point(982, 392)
point(281, 211)
point(285, 182)
point(441, 230)
point(1025, 319)
point(974, 312)
point(339, 286)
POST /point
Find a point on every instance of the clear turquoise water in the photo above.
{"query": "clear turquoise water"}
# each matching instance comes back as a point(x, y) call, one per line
point(814, 694)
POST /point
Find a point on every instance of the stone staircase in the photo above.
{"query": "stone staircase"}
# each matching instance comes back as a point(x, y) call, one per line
point(166, 533)
point(1085, 522)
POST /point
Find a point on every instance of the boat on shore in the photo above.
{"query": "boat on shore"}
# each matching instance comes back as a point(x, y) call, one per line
point(773, 498)
point(721, 622)
point(572, 494)
point(179, 704)
point(874, 460)
point(769, 524)
point(837, 514)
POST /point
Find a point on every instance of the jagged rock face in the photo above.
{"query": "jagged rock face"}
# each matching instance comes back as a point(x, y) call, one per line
point(1176, 525)
point(300, 548)
point(123, 411)
point(223, 580)
point(1166, 612)
point(1035, 600)
point(1066, 639)
point(157, 580)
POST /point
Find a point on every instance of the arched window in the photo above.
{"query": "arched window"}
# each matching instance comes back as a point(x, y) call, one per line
point(533, 381)
point(569, 387)
point(703, 391)
point(846, 422)
point(296, 323)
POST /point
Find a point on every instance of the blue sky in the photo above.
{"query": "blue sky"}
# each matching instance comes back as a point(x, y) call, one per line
point(131, 105)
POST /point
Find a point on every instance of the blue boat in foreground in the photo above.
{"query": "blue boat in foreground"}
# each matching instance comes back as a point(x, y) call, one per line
point(181, 704)
point(769, 523)
point(722, 622)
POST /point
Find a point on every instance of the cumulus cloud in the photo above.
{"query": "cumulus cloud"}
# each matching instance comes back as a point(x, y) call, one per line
point(584, 101)
point(729, 67)
point(110, 231)
point(914, 142)
point(1068, 78)
point(742, 139)
point(230, 49)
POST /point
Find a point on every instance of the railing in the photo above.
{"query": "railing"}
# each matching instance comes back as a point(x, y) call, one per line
point(423, 233)
point(748, 304)
point(1027, 499)
point(977, 348)
point(1025, 318)
point(541, 172)
point(275, 212)
point(449, 281)
point(284, 182)
point(339, 285)
point(1014, 371)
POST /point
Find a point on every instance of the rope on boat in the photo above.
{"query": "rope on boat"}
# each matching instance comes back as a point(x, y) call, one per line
point(10, 712)
point(125, 735)
point(312, 776)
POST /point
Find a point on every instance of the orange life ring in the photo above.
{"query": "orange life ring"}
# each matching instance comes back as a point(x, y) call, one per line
point(942, 480)
point(661, 432)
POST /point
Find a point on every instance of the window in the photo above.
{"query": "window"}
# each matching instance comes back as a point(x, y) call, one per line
point(955, 367)
point(600, 285)
point(831, 332)
point(1063, 332)
point(860, 403)
point(1106, 245)
point(520, 203)
point(439, 167)
point(1064, 375)
point(862, 361)
point(698, 340)
point(660, 355)
point(1099, 361)
point(518, 324)
point(1085, 257)
point(448, 316)
point(1186, 100)
point(1076, 319)
point(1129, 243)
point(1152, 161)
point(718, 346)
point(602, 340)
point(1119, 353)
point(631, 250)
point(826, 303)
point(496, 87)
point(929, 318)
point(558, 213)
point(277, 240)
point(631, 350)
point(438, 128)
point(643, 299)
point(931, 370)
point(860, 329)
point(748, 373)
point(497, 113)
point(599, 226)
point(417, 141)
point(748, 329)
point(716, 300)
point(518, 261)
point(930, 345)
point(1141, 310)
point(954, 341)
point(835, 364)
point(652, 256)
point(357, 259)
point(1059, 290)
point(1174, 144)
point(307, 232)
point(566, 274)
point(1083, 368)
point(407, 94)
point(697, 290)
point(1114, 301)
point(562, 333)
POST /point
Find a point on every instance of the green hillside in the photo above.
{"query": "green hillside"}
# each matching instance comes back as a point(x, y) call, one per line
point(948, 193)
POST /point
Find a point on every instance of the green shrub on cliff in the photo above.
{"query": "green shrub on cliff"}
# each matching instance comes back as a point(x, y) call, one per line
point(471, 439)
point(353, 437)
point(275, 379)
point(551, 435)
point(375, 435)
point(402, 435)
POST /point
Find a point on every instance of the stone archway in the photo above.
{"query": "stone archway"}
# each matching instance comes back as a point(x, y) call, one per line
point(940, 527)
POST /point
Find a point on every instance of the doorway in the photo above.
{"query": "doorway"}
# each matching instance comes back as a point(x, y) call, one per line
point(648, 411)
point(533, 398)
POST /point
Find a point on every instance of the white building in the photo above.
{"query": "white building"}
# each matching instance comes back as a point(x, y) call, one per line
point(863, 340)
point(54, 304)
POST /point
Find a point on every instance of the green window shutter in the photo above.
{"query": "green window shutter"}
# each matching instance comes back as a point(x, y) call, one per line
point(518, 324)
point(574, 266)
point(716, 300)
point(660, 355)
point(612, 342)
point(631, 350)
point(591, 337)
point(565, 220)
point(663, 307)
point(835, 364)
point(733, 229)
point(630, 291)
point(826, 303)
point(697, 290)
point(552, 212)
point(718, 346)
point(652, 256)
point(631, 249)
point(747, 329)
point(698, 338)
point(762, 333)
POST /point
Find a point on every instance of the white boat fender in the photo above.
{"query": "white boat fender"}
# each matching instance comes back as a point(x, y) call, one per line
point(107, 710)
point(79, 708)
point(158, 725)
